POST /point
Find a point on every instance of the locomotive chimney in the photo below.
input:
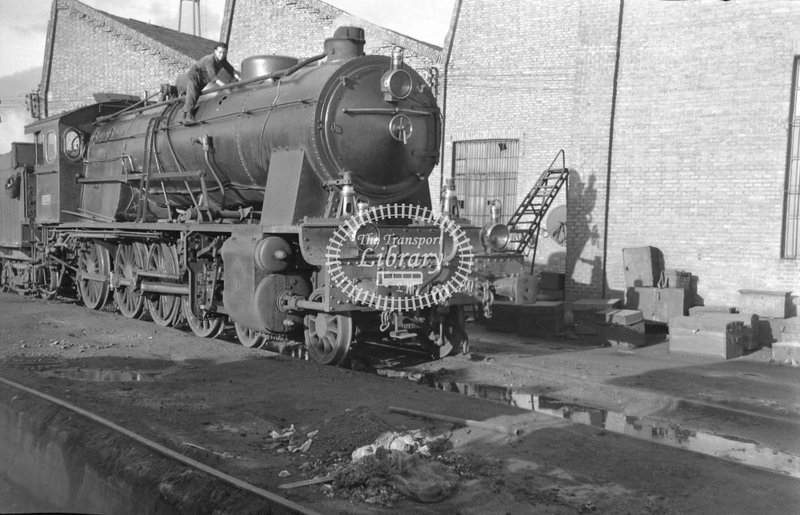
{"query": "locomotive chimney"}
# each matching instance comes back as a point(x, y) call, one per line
point(346, 43)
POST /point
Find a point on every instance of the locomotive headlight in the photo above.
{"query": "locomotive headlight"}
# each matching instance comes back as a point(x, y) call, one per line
point(396, 85)
point(495, 236)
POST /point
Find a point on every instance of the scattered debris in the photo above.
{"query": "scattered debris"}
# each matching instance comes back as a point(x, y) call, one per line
point(378, 477)
point(410, 442)
point(307, 482)
point(285, 441)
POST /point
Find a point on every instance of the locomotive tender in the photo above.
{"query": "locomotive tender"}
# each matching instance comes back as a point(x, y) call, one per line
point(296, 207)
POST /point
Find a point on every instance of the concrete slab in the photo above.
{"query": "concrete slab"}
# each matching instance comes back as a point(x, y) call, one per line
point(505, 316)
point(764, 303)
point(752, 326)
point(628, 336)
point(699, 310)
point(658, 304)
point(543, 318)
point(620, 316)
point(706, 336)
point(584, 314)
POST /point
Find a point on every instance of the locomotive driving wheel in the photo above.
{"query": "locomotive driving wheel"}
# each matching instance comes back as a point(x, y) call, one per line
point(206, 327)
point(130, 256)
point(328, 336)
point(249, 337)
point(165, 308)
point(94, 265)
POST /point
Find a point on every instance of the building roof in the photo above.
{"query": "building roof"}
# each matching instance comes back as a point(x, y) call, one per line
point(186, 44)
point(180, 48)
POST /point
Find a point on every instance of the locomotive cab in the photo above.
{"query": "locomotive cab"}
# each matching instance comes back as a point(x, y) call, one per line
point(60, 147)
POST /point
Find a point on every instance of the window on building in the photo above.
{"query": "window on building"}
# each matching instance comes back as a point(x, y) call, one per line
point(486, 171)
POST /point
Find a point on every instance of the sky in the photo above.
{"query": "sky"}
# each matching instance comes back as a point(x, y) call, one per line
point(23, 23)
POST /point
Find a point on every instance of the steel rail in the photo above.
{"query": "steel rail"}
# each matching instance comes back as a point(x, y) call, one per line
point(169, 453)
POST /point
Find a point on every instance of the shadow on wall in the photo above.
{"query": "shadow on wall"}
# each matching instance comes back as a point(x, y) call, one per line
point(583, 276)
point(556, 262)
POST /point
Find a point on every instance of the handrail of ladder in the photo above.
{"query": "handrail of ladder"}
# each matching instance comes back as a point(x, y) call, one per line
point(529, 241)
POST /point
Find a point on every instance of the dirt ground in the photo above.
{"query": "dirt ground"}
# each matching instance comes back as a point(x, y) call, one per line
point(270, 420)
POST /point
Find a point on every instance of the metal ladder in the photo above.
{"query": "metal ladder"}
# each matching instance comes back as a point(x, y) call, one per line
point(526, 221)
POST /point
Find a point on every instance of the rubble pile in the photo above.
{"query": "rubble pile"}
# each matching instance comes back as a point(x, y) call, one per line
point(396, 465)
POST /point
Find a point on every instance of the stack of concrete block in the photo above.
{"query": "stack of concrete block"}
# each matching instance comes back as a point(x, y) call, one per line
point(752, 327)
point(658, 304)
point(584, 314)
point(622, 327)
point(774, 311)
point(659, 293)
point(707, 336)
point(643, 266)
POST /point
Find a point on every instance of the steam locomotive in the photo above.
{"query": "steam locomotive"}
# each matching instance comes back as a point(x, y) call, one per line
point(295, 207)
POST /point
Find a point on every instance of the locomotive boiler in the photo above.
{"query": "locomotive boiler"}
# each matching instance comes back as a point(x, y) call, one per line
point(377, 120)
point(295, 207)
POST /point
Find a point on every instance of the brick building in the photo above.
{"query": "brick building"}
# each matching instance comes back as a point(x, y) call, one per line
point(299, 27)
point(89, 51)
point(678, 118)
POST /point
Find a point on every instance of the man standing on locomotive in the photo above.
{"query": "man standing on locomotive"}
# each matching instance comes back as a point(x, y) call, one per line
point(206, 70)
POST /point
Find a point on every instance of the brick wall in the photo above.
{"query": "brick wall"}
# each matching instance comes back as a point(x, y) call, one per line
point(89, 57)
point(299, 28)
point(699, 156)
point(699, 135)
point(595, 31)
point(540, 72)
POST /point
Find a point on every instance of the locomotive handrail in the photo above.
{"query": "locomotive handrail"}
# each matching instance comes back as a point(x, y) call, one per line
point(130, 108)
point(132, 177)
point(273, 76)
point(386, 110)
point(277, 75)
